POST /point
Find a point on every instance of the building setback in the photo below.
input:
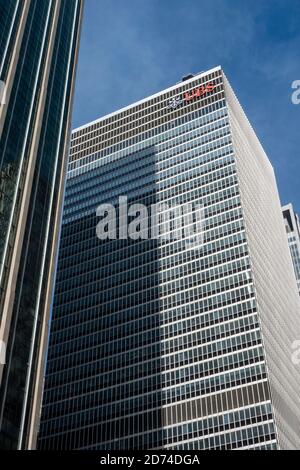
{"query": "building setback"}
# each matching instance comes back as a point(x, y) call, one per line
point(292, 226)
point(38, 55)
point(156, 344)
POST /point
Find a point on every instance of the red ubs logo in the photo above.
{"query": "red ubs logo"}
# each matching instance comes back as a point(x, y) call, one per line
point(197, 92)
point(191, 95)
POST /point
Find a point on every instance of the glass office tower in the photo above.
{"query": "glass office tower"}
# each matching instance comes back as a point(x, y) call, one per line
point(155, 343)
point(292, 226)
point(38, 55)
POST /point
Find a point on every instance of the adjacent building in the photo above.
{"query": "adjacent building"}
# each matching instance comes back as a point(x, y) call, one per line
point(38, 55)
point(292, 226)
point(156, 343)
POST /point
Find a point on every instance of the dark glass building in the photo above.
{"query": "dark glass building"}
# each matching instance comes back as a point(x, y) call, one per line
point(39, 42)
point(157, 343)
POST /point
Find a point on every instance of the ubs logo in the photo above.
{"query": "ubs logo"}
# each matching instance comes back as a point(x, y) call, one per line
point(174, 103)
point(188, 96)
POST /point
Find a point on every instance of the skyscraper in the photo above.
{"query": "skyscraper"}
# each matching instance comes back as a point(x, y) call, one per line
point(38, 55)
point(156, 343)
point(292, 226)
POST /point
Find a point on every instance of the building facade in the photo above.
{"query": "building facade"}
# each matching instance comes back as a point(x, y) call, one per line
point(155, 343)
point(292, 226)
point(38, 55)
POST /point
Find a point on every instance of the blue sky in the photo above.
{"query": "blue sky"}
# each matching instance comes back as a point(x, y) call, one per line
point(133, 48)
